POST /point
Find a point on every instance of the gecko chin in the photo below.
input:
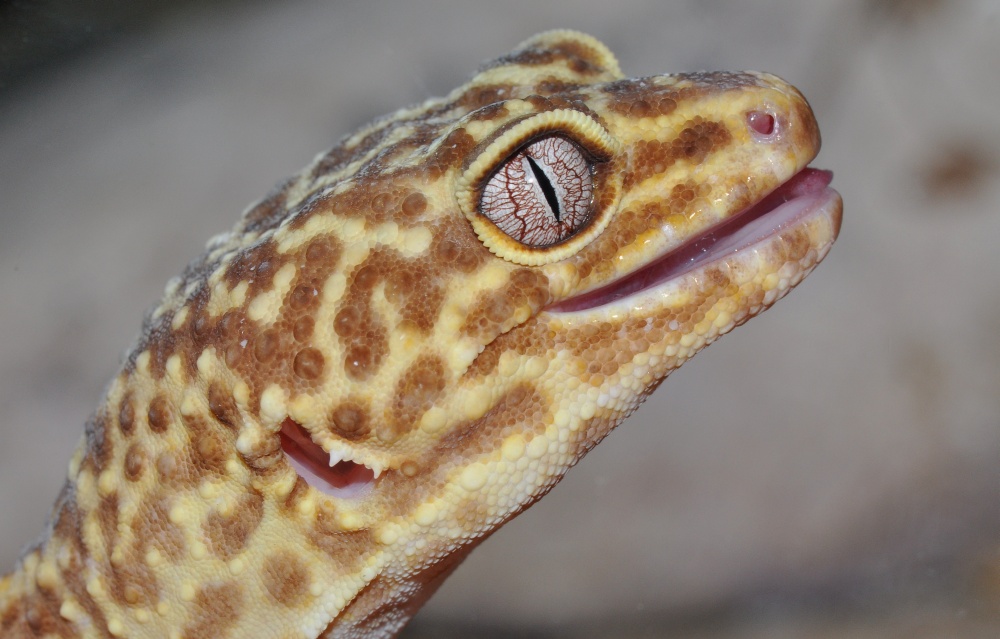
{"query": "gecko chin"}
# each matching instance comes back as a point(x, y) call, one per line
point(803, 196)
point(341, 478)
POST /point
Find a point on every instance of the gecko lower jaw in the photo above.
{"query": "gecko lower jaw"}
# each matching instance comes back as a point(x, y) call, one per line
point(805, 194)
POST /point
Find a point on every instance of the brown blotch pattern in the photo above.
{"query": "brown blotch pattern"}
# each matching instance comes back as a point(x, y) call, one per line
point(107, 519)
point(286, 578)
point(153, 529)
point(577, 56)
point(409, 284)
point(133, 583)
point(269, 212)
point(210, 447)
point(416, 392)
point(452, 153)
point(519, 407)
point(454, 245)
point(216, 608)
point(483, 95)
point(255, 265)
point(100, 448)
point(495, 310)
point(35, 615)
point(346, 549)
point(229, 534)
point(695, 142)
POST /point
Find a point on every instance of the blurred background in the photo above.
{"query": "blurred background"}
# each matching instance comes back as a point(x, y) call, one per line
point(828, 470)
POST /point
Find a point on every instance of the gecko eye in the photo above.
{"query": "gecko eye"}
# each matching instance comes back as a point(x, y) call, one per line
point(541, 187)
point(542, 195)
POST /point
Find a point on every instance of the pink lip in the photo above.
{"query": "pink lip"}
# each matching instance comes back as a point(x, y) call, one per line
point(803, 194)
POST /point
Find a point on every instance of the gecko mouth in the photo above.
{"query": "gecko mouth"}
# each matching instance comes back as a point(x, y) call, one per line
point(324, 471)
point(804, 194)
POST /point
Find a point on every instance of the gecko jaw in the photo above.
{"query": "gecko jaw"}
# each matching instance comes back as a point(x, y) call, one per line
point(339, 477)
point(802, 196)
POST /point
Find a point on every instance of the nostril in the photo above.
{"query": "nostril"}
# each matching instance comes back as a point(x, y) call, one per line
point(761, 122)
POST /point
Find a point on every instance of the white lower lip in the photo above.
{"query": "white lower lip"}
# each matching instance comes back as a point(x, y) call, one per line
point(718, 243)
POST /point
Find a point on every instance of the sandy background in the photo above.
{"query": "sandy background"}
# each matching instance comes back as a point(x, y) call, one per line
point(830, 469)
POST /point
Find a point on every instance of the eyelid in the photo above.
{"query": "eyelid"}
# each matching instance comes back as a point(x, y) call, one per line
point(600, 147)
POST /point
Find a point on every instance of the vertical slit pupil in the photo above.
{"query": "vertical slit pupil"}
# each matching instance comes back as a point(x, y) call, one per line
point(547, 189)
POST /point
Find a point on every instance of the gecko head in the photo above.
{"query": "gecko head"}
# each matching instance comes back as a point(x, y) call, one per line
point(416, 337)
point(574, 237)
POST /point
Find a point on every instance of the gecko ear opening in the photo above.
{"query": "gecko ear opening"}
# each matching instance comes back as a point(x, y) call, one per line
point(542, 187)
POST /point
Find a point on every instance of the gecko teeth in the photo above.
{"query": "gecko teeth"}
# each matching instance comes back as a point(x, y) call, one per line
point(331, 473)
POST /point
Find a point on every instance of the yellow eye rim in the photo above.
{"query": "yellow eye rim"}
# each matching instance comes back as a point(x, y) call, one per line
point(573, 125)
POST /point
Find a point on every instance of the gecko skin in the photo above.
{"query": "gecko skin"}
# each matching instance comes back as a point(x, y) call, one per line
point(410, 342)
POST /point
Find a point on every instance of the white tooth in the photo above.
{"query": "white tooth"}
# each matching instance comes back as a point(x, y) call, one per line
point(376, 469)
point(335, 458)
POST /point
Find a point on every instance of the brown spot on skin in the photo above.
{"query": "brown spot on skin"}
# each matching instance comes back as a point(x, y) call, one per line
point(229, 534)
point(308, 364)
point(347, 321)
point(303, 328)
point(266, 344)
point(159, 414)
point(223, 407)
point(302, 297)
point(361, 363)
point(166, 466)
point(126, 415)
point(135, 462)
point(349, 421)
point(216, 608)
point(286, 578)
point(414, 204)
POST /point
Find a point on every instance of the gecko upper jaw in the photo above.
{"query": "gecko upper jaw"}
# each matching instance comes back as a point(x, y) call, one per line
point(803, 194)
